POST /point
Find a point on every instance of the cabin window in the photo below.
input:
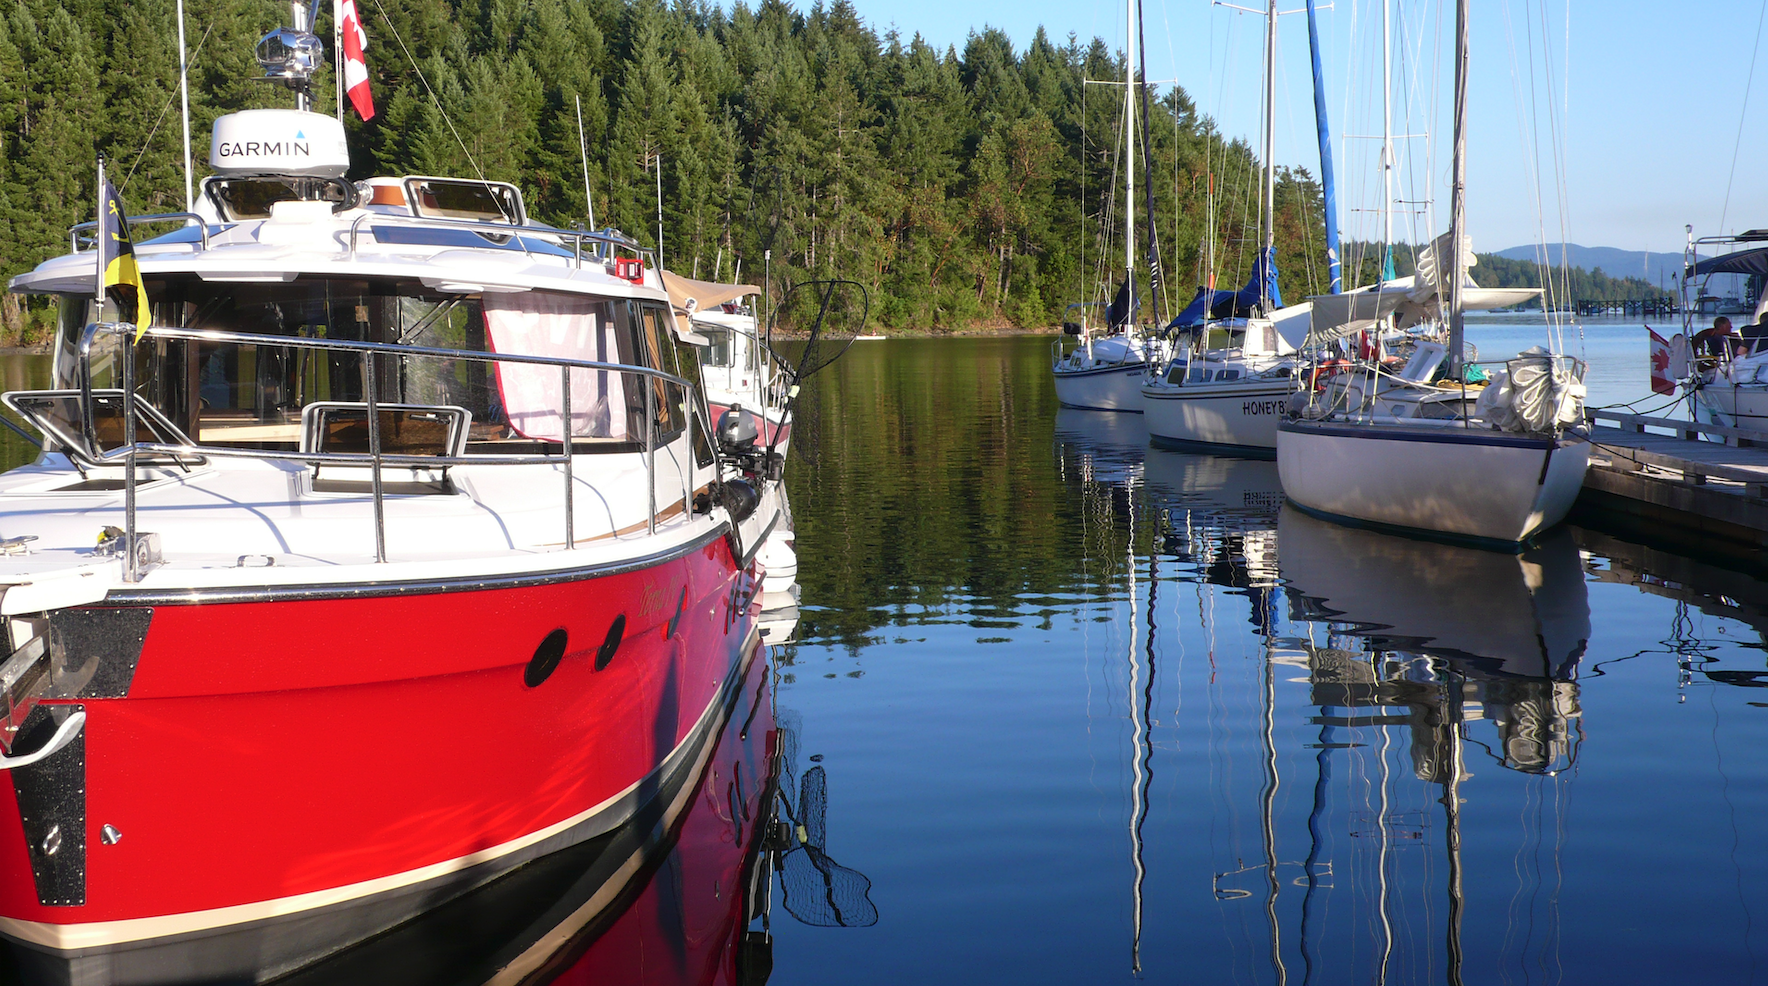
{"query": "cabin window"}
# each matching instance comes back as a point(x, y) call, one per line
point(252, 395)
point(1227, 374)
point(718, 344)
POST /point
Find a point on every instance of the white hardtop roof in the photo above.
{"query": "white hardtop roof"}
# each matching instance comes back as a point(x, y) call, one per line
point(306, 238)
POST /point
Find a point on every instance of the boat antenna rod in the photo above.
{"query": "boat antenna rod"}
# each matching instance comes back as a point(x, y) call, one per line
point(1458, 196)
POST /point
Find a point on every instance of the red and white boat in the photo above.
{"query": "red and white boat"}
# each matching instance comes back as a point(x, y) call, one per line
point(312, 622)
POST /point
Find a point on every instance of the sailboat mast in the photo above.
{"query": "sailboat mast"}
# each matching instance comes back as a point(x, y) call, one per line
point(1387, 146)
point(1458, 196)
point(1328, 194)
point(1129, 144)
point(1269, 217)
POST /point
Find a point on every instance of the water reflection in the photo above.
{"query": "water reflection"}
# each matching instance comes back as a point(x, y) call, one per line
point(1510, 629)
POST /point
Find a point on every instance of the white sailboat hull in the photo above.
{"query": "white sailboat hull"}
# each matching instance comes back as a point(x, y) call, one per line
point(1739, 405)
point(1113, 387)
point(1237, 418)
point(1467, 483)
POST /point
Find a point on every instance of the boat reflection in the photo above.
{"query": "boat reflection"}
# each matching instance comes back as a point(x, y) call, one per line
point(1405, 616)
point(1219, 515)
point(1100, 446)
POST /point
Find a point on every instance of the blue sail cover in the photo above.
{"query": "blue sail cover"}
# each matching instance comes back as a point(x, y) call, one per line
point(1207, 305)
point(1327, 193)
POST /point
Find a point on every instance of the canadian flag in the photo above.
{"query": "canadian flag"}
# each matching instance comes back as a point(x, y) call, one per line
point(1660, 364)
point(355, 67)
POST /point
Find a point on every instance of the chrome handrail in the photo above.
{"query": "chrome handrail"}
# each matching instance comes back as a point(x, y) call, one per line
point(577, 236)
point(201, 224)
point(375, 459)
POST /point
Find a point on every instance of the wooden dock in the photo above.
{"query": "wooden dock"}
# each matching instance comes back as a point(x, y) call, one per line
point(1671, 485)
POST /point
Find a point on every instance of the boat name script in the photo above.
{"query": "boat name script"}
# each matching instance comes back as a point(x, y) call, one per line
point(1256, 408)
point(254, 148)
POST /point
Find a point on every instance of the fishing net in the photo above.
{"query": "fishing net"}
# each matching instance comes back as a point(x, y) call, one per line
point(831, 314)
point(818, 890)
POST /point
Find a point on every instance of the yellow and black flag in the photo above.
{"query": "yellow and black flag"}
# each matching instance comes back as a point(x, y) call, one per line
point(121, 277)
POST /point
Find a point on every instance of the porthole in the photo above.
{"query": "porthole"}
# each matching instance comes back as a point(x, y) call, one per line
point(546, 658)
point(612, 643)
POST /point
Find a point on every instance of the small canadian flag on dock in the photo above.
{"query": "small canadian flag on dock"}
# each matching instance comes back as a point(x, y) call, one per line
point(355, 40)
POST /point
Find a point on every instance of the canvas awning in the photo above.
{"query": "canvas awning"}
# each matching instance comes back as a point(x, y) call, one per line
point(687, 296)
point(1742, 262)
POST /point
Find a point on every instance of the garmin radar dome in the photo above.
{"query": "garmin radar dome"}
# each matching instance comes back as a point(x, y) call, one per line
point(279, 142)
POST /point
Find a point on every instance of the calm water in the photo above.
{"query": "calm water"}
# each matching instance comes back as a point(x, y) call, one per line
point(1064, 708)
point(1092, 711)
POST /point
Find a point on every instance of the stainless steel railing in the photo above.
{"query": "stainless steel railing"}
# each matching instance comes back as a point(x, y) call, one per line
point(374, 458)
point(578, 237)
point(202, 226)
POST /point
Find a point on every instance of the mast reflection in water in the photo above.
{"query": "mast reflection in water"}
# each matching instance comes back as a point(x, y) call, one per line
point(1106, 712)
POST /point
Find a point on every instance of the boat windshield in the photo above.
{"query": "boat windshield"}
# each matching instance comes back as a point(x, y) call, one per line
point(253, 395)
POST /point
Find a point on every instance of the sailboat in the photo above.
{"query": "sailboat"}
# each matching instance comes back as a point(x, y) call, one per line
point(1229, 399)
point(1105, 373)
point(1491, 465)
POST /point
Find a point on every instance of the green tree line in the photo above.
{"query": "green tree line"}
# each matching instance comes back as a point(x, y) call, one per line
point(963, 188)
point(972, 187)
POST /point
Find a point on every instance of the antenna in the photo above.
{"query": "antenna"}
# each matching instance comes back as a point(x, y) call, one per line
point(184, 97)
point(583, 153)
point(659, 211)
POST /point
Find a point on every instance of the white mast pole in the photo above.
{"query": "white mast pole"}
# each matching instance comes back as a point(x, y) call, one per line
point(1269, 217)
point(1458, 194)
point(1387, 140)
point(338, 59)
point(184, 97)
point(1129, 144)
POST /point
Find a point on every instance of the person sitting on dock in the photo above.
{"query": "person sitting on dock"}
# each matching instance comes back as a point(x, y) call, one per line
point(1719, 342)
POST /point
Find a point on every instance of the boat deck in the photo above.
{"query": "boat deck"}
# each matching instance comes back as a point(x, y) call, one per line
point(1680, 479)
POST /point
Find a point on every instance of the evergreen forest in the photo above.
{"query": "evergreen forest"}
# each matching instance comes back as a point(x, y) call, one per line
point(972, 188)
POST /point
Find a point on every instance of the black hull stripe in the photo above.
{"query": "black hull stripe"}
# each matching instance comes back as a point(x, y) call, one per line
point(1446, 436)
point(1194, 396)
point(1213, 448)
point(1098, 372)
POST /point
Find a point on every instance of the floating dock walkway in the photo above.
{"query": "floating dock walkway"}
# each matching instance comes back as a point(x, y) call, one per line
point(1670, 484)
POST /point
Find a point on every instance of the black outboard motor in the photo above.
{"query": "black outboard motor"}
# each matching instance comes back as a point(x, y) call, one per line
point(740, 498)
point(737, 431)
point(1071, 328)
point(738, 436)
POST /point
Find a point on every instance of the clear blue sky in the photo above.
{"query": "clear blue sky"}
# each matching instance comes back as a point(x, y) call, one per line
point(1644, 100)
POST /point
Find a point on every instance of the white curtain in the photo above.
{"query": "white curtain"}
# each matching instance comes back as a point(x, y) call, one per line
point(534, 323)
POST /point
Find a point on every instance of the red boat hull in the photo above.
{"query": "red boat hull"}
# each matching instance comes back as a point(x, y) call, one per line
point(322, 765)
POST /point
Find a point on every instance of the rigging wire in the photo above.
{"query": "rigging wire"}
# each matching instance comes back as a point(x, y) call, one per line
point(162, 117)
point(437, 101)
point(1743, 115)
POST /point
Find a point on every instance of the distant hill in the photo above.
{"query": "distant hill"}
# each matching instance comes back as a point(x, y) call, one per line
point(1507, 270)
point(1654, 268)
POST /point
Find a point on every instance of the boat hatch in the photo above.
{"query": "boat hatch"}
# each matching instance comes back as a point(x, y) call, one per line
point(462, 198)
point(56, 413)
point(252, 197)
point(405, 429)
